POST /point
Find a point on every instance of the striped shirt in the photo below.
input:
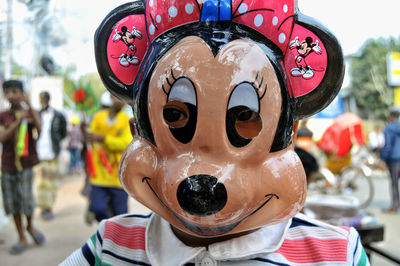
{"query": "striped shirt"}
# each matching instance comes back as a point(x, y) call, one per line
point(149, 240)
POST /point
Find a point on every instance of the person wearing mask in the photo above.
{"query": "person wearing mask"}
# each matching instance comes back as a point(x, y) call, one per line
point(212, 154)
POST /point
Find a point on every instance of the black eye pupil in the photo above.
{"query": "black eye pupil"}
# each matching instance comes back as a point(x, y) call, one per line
point(245, 115)
point(171, 114)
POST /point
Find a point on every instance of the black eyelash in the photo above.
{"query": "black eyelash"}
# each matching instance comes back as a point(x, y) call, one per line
point(259, 85)
point(166, 93)
point(172, 74)
point(255, 80)
point(167, 79)
point(169, 83)
point(262, 96)
point(262, 80)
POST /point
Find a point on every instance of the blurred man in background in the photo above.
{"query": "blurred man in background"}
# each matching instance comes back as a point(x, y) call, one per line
point(108, 136)
point(75, 145)
point(18, 157)
point(376, 140)
point(390, 153)
point(54, 130)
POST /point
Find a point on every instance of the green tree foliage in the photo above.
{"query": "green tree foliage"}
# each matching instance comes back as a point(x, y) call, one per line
point(66, 73)
point(369, 84)
point(71, 83)
point(95, 81)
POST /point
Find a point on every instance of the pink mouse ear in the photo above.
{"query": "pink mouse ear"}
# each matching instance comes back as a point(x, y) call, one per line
point(121, 42)
point(314, 66)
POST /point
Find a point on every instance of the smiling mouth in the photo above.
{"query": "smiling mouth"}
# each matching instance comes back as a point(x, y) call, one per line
point(209, 231)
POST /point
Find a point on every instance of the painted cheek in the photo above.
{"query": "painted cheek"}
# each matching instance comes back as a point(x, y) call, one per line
point(287, 177)
point(139, 160)
point(283, 175)
point(139, 172)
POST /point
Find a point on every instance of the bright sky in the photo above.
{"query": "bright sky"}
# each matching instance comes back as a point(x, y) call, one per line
point(352, 21)
point(355, 21)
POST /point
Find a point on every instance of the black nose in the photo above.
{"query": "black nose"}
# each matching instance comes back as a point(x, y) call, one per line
point(201, 195)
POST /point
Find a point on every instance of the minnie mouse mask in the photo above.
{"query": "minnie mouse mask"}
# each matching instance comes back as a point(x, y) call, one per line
point(216, 88)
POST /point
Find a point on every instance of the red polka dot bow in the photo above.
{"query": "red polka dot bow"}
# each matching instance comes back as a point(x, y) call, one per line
point(271, 18)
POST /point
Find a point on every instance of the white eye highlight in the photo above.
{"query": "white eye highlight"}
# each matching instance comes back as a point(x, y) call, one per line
point(244, 94)
point(183, 91)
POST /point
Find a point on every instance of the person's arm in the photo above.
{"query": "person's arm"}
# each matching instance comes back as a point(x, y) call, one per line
point(7, 133)
point(36, 120)
point(89, 135)
point(387, 148)
point(86, 255)
point(114, 143)
point(119, 143)
point(359, 255)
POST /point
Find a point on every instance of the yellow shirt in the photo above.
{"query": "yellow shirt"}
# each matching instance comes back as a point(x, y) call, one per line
point(117, 138)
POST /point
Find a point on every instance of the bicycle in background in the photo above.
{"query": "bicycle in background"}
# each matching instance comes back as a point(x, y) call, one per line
point(347, 176)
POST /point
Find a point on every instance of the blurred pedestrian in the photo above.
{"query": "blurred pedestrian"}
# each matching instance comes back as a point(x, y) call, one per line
point(108, 136)
point(75, 145)
point(18, 157)
point(105, 102)
point(303, 147)
point(304, 136)
point(54, 130)
point(390, 153)
point(376, 140)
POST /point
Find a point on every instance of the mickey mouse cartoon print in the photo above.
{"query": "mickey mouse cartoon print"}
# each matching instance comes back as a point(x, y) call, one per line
point(304, 48)
point(128, 38)
point(214, 109)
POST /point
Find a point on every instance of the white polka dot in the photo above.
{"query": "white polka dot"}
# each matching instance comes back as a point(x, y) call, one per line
point(285, 8)
point(275, 21)
point(172, 11)
point(282, 37)
point(158, 18)
point(189, 8)
point(243, 8)
point(152, 29)
point(258, 20)
point(151, 3)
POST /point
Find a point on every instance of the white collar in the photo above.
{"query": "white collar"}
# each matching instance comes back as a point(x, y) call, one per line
point(164, 248)
point(49, 110)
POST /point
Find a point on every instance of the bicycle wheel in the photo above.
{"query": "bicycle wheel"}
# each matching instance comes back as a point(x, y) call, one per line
point(353, 182)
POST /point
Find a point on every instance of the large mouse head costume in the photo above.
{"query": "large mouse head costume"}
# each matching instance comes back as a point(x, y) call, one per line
point(216, 87)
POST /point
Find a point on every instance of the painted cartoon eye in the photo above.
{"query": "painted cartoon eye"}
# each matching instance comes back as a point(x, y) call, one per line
point(176, 114)
point(243, 121)
point(180, 111)
point(248, 123)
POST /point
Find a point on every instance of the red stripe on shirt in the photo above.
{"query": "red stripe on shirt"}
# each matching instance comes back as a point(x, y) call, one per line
point(129, 237)
point(311, 250)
